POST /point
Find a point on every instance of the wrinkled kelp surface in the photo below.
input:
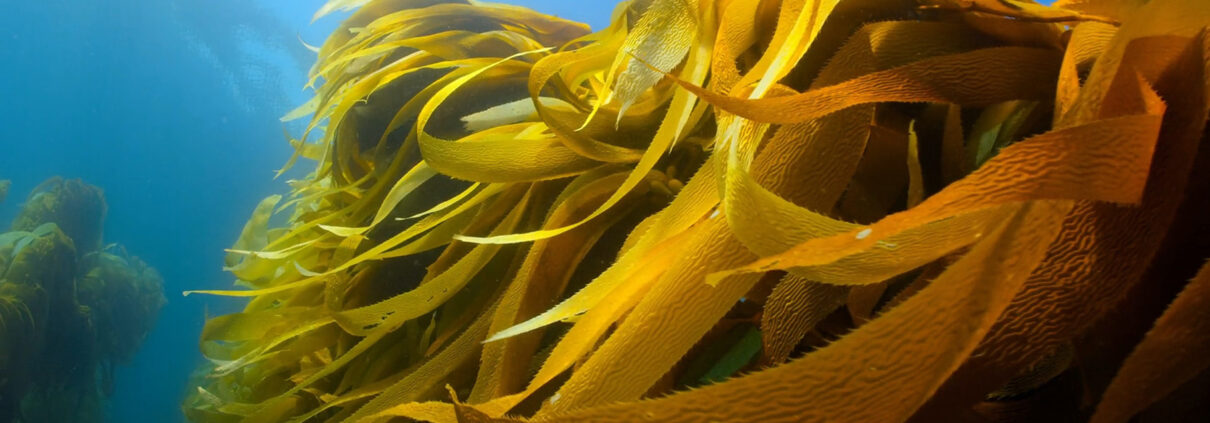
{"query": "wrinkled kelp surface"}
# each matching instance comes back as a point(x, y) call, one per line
point(70, 310)
point(713, 210)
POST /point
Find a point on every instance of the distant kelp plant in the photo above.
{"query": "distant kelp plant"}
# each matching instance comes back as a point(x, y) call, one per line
point(4, 184)
point(70, 310)
point(848, 211)
point(76, 207)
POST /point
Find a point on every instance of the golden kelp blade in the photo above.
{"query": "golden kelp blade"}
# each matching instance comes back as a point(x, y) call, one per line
point(1129, 240)
point(784, 210)
point(1114, 171)
point(818, 386)
point(661, 38)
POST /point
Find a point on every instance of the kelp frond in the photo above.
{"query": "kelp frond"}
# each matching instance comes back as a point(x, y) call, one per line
point(837, 210)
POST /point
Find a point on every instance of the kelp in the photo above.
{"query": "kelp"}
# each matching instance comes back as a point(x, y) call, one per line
point(4, 185)
point(713, 210)
point(124, 295)
point(78, 208)
point(37, 293)
point(70, 311)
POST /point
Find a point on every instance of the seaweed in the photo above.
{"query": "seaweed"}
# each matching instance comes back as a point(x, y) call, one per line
point(76, 207)
point(38, 293)
point(4, 185)
point(839, 210)
point(124, 296)
point(68, 313)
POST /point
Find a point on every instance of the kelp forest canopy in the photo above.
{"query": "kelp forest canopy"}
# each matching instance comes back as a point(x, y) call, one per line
point(732, 210)
point(71, 308)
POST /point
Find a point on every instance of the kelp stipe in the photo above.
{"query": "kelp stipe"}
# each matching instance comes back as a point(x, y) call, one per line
point(839, 210)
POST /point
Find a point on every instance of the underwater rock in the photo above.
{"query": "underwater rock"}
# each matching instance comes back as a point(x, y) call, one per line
point(66, 319)
point(774, 211)
point(4, 184)
point(78, 208)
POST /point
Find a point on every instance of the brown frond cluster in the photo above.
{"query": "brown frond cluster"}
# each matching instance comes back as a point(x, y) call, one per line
point(732, 210)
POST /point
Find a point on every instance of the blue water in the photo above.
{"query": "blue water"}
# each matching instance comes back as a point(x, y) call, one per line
point(171, 107)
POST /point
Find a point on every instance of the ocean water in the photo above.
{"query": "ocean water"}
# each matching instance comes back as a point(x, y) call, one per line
point(171, 107)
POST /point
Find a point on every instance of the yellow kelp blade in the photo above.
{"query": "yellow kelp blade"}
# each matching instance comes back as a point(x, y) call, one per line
point(674, 122)
point(505, 159)
point(841, 137)
point(429, 375)
point(1004, 72)
point(1033, 169)
point(1088, 41)
point(253, 236)
point(548, 268)
point(1082, 279)
point(693, 202)
point(579, 202)
point(661, 38)
point(794, 307)
point(915, 177)
point(587, 331)
point(274, 255)
point(302, 111)
point(513, 112)
point(1019, 10)
point(633, 369)
point(376, 252)
point(376, 321)
point(931, 333)
point(789, 42)
point(429, 295)
point(912, 205)
point(404, 186)
point(337, 5)
point(432, 218)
